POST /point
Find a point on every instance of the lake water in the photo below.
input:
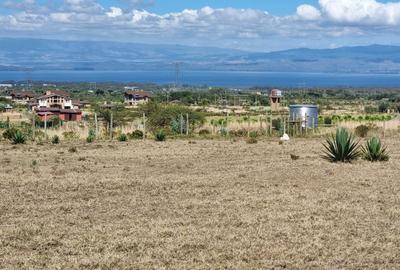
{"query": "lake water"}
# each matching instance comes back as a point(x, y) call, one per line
point(213, 78)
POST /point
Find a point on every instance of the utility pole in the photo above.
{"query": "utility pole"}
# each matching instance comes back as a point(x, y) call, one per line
point(177, 74)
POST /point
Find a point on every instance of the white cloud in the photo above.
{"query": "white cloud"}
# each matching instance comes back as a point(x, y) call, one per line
point(308, 12)
point(60, 17)
point(114, 12)
point(368, 12)
point(83, 6)
point(242, 28)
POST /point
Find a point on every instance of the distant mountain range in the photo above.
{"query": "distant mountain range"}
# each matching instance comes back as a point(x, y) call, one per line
point(39, 54)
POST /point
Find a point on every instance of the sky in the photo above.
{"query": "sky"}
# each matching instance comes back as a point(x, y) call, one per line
point(253, 25)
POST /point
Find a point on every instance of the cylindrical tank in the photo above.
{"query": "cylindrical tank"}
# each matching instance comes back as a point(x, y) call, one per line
point(305, 113)
point(276, 93)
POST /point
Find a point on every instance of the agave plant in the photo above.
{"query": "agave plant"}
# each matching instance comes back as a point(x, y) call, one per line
point(341, 147)
point(18, 137)
point(160, 136)
point(374, 151)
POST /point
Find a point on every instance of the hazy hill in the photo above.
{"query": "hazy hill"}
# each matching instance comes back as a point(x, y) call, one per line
point(40, 54)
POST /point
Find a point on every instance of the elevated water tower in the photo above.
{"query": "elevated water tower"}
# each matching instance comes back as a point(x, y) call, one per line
point(275, 99)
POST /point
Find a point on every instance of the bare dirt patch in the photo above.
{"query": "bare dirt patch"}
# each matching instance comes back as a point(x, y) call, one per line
point(208, 205)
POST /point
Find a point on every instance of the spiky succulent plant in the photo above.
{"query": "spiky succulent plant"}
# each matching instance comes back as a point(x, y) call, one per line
point(341, 147)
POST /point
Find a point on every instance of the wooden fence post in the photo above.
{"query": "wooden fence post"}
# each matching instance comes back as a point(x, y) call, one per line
point(181, 124)
point(33, 126)
point(45, 123)
point(248, 126)
point(144, 126)
point(270, 124)
point(111, 126)
point(96, 125)
point(187, 124)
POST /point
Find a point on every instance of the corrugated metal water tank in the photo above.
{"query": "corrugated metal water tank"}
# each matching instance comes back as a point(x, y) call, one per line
point(306, 113)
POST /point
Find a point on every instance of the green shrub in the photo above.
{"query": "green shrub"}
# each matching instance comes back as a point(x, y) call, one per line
point(91, 136)
point(167, 117)
point(204, 132)
point(55, 139)
point(328, 120)
point(277, 124)
point(374, 151)
point(18, 137)
point(90, 139)
point(341, 147)
point(160, 136)
point(223, 132)
point(362, 131)
point(238, 133)
point(370, 109)
point(136, 135)
point(70, 135)
point(4, 124)
point(253, 134)
point(122, 137)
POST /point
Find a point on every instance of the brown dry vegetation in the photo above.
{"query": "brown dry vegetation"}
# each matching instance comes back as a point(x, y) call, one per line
point(202, 205)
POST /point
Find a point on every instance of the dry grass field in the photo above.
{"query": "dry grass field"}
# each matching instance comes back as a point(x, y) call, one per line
point(202, 205)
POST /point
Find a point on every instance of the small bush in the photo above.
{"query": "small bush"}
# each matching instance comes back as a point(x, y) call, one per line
point(223, 132)
point(204, 132)
point(253, 134)
point(160, 136)
point(55, 139)
point(362, 131)
point(70, 135)
point(251, 140)
point(122, 137)
point(72, 149)
point(341, 147)
point(91, 136)
point(18, 137)
point(90, 139)
point(374, 151)
point(238, 133)
point(136, 135)
point(327, 120)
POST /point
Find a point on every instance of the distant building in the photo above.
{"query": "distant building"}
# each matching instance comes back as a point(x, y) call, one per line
point(131, 88)
point(22, 97)
point(275, 99)
point(57, 103)
point(134, 98)
point(6, 85)
point(8, 108)
point(55, 99)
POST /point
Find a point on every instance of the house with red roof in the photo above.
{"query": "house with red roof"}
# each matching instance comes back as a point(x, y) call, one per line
point(58, 103)
point(136, 97)
point(22, 97)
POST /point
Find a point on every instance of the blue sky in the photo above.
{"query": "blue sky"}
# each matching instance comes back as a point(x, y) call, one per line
point(277, 7)
point(263, 25)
